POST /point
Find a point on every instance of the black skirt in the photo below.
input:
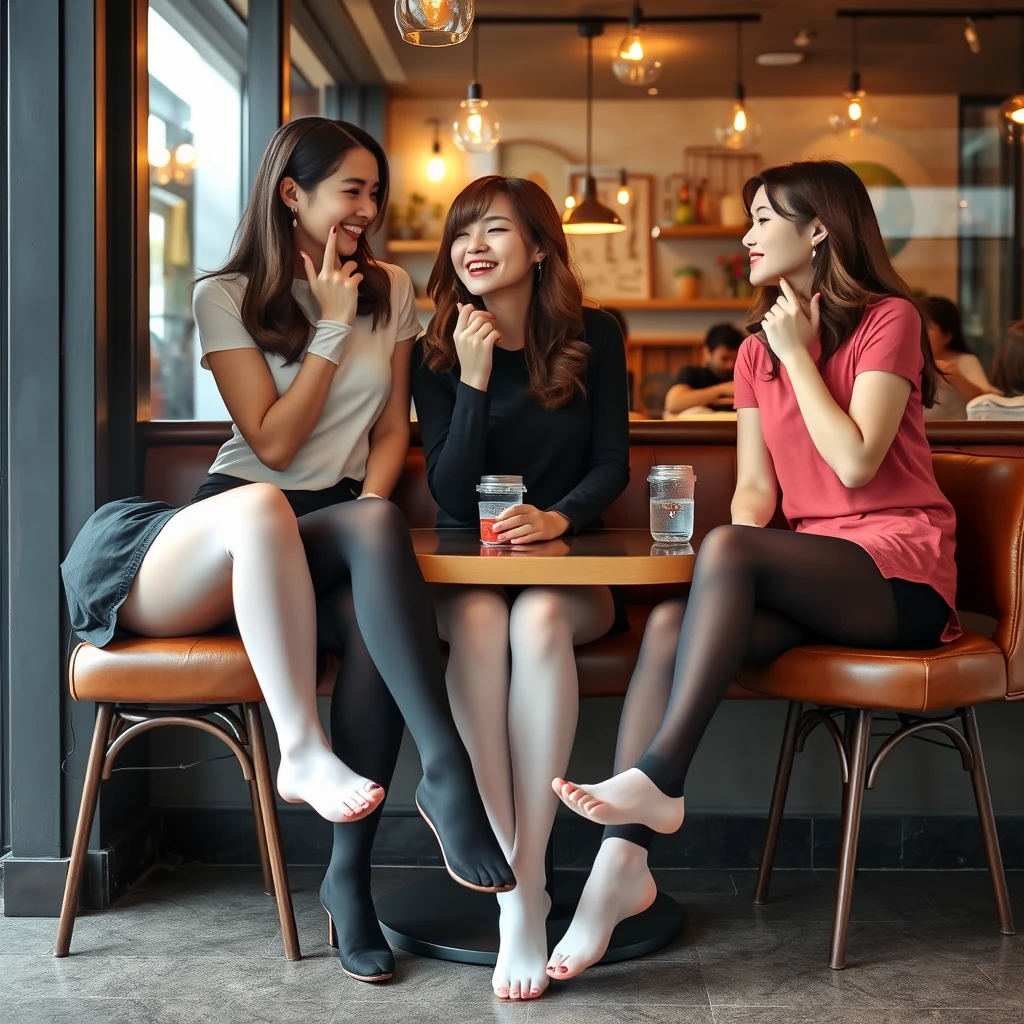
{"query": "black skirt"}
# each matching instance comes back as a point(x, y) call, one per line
point(100, 567)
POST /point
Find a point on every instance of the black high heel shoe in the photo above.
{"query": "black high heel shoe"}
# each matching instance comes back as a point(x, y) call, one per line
point(371, 962)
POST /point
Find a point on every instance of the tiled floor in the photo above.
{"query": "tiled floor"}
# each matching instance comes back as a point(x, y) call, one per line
point(202, 945)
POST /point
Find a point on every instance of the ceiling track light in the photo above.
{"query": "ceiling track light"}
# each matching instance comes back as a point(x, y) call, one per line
point(634, 62)
point(971, 36)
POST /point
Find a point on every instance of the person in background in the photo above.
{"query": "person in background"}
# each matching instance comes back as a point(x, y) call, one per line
point(1008, 377)
point(708, 386)
point(964, 375)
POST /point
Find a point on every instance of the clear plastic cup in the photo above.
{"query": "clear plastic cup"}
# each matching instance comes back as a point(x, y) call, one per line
point(671, 503)
point(496, 494)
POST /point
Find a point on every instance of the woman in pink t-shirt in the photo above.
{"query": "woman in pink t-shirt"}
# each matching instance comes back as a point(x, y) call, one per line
point(830, 394)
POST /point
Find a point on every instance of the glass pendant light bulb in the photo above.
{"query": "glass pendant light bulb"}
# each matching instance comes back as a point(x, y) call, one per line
point(185, 155)
point(1011, 121)
point(855, 118)
point(634, 63)
point(570, 202)
point(434, 22)
point(624, 195)
point(436, 168)
point(476, 129)
point(738, 131)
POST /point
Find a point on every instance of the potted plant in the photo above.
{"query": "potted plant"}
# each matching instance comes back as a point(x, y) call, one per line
point(734, 266)
point(409, 223)
point(688, 282)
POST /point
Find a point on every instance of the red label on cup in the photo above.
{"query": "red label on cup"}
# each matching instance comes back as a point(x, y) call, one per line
point(487, 534)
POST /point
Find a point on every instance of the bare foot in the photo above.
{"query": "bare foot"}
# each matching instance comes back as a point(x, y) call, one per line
point(620, 885)
point(327, 784)
point(523, 945)
point(629, 798)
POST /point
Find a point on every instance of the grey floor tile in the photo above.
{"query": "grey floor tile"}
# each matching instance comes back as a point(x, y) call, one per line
point(26, 935)
point(809, 986)
point(485, 1010)
point(799, 1015)
point(635, 982)
point(762, 941)
point(545, 1011)
point(1004, 1015)
point(695, 883)
point(941, 980)
point(967, 941)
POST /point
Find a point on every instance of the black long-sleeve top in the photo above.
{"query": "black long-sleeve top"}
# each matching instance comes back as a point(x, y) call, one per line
point(573, 459)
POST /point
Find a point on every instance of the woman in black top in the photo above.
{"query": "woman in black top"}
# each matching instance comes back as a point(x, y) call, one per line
point(515, 376)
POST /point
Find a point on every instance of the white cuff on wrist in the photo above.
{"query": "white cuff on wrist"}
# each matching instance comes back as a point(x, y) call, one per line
point(329, 340)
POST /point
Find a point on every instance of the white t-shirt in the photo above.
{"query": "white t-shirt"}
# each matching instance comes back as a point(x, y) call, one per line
point(340, 442)
point(949, 403)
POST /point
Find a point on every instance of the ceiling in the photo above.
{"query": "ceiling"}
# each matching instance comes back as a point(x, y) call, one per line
point(897, 56)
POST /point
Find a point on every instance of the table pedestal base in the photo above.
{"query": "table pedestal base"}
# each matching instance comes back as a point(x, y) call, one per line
point(441, 919)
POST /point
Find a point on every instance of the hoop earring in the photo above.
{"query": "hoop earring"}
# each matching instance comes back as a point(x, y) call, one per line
point(540, 270)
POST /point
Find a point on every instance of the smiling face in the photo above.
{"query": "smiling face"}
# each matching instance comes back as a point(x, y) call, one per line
point(491, 255)
point(347, 198)
point(778, 247)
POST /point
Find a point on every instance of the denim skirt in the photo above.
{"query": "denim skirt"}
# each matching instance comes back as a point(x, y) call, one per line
point(100, 567)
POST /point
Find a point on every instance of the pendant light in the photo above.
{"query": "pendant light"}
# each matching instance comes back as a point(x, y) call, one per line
point(476, 129)
point(855, 118)
point(436, 168)
point(634, 63)
point(625, 193)
point(739, 131)
point(588, 216)
point(434, 22)
point(1011, 123)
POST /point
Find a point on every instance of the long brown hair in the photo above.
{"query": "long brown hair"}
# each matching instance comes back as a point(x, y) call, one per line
point(556, 357)
point(1008, 365)
point(851, 269)
point(308, 150)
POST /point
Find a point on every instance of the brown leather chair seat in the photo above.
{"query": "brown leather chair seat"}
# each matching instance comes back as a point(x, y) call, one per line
point(970, 670)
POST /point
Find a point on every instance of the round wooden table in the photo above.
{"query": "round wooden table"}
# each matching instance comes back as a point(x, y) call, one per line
point(610, 557)
point(443, 920)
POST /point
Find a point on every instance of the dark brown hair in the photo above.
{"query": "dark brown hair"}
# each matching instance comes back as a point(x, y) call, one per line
point(851, 269)
point(309, 150)
point(945, 314)
point(556, 357)
point(1008, 365)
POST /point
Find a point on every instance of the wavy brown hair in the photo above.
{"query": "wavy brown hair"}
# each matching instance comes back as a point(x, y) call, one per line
point(556, 357)
point(851, 269)
point(1008, 365)
point(309, 150)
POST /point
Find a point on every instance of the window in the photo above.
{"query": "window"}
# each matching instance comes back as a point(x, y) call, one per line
point(196, 105)
point(309, 78)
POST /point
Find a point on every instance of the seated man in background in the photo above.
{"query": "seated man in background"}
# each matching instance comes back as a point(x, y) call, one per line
point(707, 388)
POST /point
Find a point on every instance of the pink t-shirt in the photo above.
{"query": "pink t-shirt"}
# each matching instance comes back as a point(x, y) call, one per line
point(900, 517)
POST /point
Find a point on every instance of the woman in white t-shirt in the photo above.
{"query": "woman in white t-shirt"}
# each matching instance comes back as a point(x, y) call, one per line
point(963, 376)
point(276, 537)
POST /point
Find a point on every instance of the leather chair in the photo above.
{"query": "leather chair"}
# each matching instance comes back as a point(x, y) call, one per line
point(933, 690)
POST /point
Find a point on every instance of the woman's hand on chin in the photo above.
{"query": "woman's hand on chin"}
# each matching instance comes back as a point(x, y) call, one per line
point(524, 524)
point(787, 327)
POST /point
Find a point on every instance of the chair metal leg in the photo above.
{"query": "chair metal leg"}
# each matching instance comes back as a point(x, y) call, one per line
point(86, 811)
point(778, 805)
point(852, 805)
point(261, 838)
point(268, 805)
point(983, 798)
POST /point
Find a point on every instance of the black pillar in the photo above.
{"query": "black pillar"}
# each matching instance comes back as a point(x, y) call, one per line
point(32, 539)
point(268, 76)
